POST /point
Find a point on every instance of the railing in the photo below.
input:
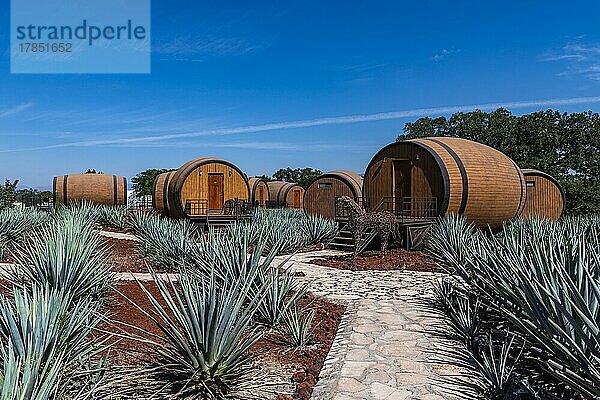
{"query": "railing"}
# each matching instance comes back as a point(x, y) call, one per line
point(231, 207)
point(195, 207)
point(405, 208)
point(409, 207)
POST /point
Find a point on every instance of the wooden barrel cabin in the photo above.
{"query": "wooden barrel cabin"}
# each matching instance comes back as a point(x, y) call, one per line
point(545, 196)
point(320, 196)
point(203, 187)
point(94, 188)
point(423, 178)
point(285, 194)
point(259, 191)
point(160, 190)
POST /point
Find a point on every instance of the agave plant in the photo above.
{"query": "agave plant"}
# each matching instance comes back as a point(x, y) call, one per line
point(44, 337)
point(297, 326)
point(282, 294)
point(67, 256)
point(319, 230)
point(497, 368)
point(113, 216)
point(16, 225)
point(543, 278)
point(207, 334)
point(166, 243)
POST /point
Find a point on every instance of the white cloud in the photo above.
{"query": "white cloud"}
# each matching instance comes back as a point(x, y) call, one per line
point(15, 110)
point(443, 54)
point(349, 119)
point(579, 58)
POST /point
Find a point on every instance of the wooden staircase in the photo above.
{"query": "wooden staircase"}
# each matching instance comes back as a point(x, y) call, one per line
point(344, 240)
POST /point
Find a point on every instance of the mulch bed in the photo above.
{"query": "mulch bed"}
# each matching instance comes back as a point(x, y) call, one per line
point(126, 351)
point(306, 362)
point(124, 257)
point(394, 259)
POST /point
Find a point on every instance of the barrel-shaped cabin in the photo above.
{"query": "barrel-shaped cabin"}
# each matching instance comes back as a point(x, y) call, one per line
point(259, 191)
point(285, 194)
point(545, 196)
point(202, 187)
point(320, 196)
point(160, 192)
point(92, 188)
point(423, 178)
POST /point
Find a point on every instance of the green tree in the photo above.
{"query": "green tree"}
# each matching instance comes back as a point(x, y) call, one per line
point(264, 178)
point(567, 146)
point(143, 181)
point(301, 176)
point(33, 197)
point(93, 171)
point(8, 194)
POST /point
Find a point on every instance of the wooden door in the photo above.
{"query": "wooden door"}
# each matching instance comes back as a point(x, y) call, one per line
point(402, 185)
point(296, 198)
point(215, 191)
point(261, 196)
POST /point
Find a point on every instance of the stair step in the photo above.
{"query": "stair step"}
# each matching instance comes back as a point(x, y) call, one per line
point(345, 246)
point(342, 238)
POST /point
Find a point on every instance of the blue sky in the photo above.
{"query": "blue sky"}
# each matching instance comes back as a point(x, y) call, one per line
point(276, 84)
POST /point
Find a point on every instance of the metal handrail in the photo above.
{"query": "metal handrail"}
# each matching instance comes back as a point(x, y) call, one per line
point(232, 207)
point(405, 208)
point(409, 207)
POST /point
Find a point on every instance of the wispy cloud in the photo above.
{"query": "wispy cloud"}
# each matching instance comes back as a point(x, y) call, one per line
point(443, 54)
point(339, 120)
point(579, 58)
point(15, 110)
point(254, 145)
point(193, 48)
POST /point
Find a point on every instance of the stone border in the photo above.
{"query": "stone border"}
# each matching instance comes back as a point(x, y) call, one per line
point(332, 367)
point(118, 235)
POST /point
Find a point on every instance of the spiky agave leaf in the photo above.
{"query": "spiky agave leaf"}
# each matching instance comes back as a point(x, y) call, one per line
point(113, 216)
point(319, 229)
point(16, 224)
point(282, 294)
point(542, 277)
point(497, 367)
point(297, 326)
point(44, 336)
point(66, 256)
point(166, 243)
point(207, 334)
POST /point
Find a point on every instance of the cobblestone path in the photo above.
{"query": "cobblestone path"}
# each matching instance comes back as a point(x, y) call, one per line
point(390, 343)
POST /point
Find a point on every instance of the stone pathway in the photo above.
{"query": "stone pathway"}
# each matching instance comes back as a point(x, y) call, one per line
point(389, 345)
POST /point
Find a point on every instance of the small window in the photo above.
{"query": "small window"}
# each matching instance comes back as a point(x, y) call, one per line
point(323, 185)
point(531, 184)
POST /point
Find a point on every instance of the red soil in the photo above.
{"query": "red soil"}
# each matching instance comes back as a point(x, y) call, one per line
point(307, 362)
point(124, 257)
point(394, 259)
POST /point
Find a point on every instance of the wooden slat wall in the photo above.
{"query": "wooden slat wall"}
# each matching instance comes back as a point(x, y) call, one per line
point(256, 184)
point(321, 200)
point(544, 199)
point(495, 183)
point(489, 190)
point(158, 194)
point(95, 188)
point(195, 185)
point(283, 192)
point(379, 180)
point(289, 199)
